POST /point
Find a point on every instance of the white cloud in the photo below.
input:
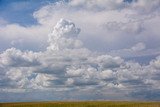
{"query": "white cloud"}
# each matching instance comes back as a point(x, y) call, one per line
point(74, 68)
point(67, 64)
point(33, 37)
point(64, 35)
point(111, 21)
point(156, 63)
point(138, 47)
point(138, 50)
point(110, 26)
point(146, 6)
point(107, 74)
point(45, 69)
point(98, 4)
point(14, 57)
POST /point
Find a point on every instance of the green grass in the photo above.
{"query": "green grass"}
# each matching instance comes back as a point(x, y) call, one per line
point(83, 104)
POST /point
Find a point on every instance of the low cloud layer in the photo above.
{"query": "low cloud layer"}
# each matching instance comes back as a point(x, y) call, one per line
point(66, 66)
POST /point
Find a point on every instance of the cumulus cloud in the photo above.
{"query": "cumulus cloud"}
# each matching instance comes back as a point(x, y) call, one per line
point(64, 36)
point(70, 63)
point(111, 21)
point(156, 63)
point(14, 57)
point(62, 68)
point(78, 66)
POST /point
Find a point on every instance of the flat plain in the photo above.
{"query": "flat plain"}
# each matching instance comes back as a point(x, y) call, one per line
point(83, 104)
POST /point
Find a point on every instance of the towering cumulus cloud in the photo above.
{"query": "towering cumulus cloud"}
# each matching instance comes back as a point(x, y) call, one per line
point(67, 66)
point(64, 36)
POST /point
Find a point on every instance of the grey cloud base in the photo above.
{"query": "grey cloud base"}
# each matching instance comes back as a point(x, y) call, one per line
point(68, 70)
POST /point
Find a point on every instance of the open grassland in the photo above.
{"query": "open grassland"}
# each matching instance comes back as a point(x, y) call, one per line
point(83, 104)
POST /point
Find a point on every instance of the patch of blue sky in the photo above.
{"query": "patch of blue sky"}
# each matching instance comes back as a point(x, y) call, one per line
point(21, 11)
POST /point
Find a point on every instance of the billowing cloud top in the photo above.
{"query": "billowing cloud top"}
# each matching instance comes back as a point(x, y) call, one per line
point(64, 36)
point(89, 63)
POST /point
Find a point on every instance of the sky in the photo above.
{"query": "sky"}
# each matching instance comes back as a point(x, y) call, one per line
point(53, 50)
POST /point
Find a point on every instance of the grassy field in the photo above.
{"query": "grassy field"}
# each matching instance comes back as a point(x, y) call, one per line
point(83, 104)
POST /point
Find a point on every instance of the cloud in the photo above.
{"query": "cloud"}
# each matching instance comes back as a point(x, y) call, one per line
point(98, 4)
point(111, 21)
point(73, 62)
point(33, 37)
point(44, 69)
point(110, 26)
point(146, 6)
point(15, 58)
point(65, 68)
point(156, 63)
point(138, 47)
point(64, 36)
point(137, 50)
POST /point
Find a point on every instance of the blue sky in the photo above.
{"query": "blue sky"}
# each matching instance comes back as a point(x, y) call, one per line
point(79, 50)
point(20, 11)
